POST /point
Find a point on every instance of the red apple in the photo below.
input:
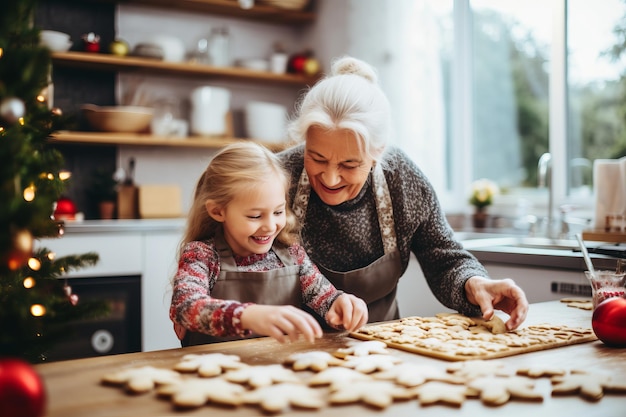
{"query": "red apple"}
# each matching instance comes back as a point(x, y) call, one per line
point(296, 62)
point(609, 321)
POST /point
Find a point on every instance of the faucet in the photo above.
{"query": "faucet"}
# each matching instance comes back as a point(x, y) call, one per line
point(544, 176)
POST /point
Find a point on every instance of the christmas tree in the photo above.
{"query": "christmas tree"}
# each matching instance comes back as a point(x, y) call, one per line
point(35, 302)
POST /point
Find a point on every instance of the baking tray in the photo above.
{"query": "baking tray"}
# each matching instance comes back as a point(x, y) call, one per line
point(462, 344)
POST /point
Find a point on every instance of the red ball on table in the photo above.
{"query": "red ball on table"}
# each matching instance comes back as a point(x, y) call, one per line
point(22, 392)
point(609, 321)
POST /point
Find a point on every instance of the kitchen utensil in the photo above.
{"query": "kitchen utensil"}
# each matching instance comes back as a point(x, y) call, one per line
point(209, 107)
point(265, 121)
point(130, 119)
point(586, 257)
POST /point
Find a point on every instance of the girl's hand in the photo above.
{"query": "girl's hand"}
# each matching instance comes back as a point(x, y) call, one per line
point(348, 312)
point(283, 323)
point(500, 294)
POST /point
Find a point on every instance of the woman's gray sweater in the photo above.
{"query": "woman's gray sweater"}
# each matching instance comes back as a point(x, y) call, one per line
point(347, 236)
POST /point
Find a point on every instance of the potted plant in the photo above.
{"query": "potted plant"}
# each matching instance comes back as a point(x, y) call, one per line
point(483, 193)
point(102, 192)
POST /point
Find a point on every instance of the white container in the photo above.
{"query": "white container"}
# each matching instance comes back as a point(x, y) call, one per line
point(209, 107)
point(266, 121)
point(55, 41)
point(173, 48)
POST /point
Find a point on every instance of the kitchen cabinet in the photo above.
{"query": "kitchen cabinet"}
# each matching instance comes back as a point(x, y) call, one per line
point(184, 70)
point(130, 247)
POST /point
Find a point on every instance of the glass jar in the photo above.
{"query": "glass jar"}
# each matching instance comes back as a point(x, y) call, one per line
point(219, 47)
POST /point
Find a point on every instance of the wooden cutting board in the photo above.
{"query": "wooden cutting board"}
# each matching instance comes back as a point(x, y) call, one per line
point(454, 337)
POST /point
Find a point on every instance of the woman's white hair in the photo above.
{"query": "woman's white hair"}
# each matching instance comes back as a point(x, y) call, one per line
point(349, 98)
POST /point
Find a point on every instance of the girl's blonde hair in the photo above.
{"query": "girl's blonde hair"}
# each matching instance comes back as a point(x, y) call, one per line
point(237, 168)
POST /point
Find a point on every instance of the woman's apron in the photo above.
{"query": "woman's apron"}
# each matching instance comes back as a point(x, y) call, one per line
point(377, 282)
point(280, 286)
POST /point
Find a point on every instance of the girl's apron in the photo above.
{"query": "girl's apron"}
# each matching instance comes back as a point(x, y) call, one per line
point(377, 282)
point(280, 286)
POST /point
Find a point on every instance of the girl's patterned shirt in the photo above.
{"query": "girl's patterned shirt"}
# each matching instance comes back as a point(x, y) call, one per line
point(199, 267)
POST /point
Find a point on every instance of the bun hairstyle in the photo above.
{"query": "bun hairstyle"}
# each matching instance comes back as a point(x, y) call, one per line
point(349, 65)
point(349, 98)
point(237, 168)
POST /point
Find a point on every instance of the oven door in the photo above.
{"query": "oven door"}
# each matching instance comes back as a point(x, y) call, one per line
point(117, 332)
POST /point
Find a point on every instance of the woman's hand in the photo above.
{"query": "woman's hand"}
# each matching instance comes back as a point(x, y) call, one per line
point(502, 294)
point(347, 312)
point(283, 323)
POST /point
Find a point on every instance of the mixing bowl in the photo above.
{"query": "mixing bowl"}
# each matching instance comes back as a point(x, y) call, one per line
point(130, 119)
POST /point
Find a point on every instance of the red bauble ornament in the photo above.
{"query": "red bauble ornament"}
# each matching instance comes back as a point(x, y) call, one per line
point(65, 209)
point(609, 321)
point(22, 392)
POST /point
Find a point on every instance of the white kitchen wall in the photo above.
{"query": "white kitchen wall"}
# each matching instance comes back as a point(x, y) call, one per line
point(249, 39)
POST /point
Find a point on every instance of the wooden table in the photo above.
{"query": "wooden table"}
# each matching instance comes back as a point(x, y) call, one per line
point(74, 390)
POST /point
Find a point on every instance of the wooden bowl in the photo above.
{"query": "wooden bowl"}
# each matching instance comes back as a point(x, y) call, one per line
point(121, 119)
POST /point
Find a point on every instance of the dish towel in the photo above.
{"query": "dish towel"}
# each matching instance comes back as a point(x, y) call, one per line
point(609, 184)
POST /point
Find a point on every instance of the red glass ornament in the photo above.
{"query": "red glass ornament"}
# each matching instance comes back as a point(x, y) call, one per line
point(65, 209)
point(22, 392)
point(609, 321)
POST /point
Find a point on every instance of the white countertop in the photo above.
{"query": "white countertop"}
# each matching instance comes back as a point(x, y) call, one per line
point(124, 225)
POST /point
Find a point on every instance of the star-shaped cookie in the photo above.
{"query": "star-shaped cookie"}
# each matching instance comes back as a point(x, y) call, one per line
point(210, 364)
point(476, 368)
point(435, 392)
point(363, 349)
point(314, 360)
point(144, 379)
point(496, 390)
point(379, 394)
point(276, 398)
point(195, 392)
point(371, 363)
point(337, 376)
point(261, 375)
point(412, 375)
point(590, 386)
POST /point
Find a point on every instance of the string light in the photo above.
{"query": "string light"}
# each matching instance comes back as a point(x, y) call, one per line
point(29, 282)
point(1, 52)
point(64, 175)
point(51, 256)
point(34, 264)
point(21, 121)
point(40, 98)
point(29, 193)
point(37, 310)
point(50, 176)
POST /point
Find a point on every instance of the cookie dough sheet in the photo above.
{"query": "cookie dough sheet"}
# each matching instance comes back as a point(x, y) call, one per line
point(455, 337)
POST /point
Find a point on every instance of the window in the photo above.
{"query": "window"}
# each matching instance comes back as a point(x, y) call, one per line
point(523, 95)
point(483, 88)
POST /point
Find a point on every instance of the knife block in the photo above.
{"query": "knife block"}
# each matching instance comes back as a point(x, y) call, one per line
point(128, 202)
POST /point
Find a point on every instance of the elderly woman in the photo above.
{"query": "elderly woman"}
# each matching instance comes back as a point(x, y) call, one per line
point(365, 206)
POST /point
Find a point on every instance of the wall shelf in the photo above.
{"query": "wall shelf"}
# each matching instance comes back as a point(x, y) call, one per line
point(231, 8)
point(108, 62)
point(144, 139)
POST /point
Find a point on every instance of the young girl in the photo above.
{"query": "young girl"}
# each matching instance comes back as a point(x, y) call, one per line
point(241, 271)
